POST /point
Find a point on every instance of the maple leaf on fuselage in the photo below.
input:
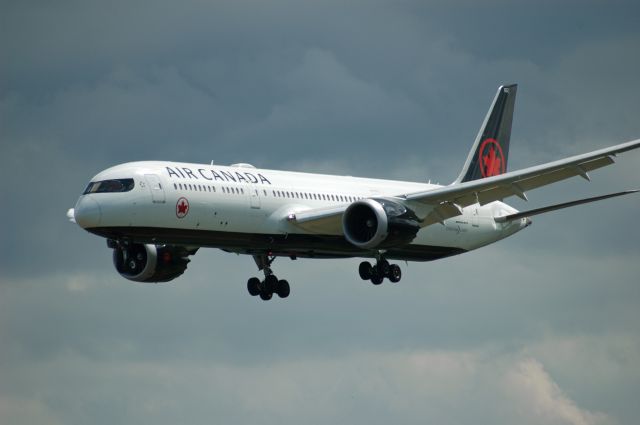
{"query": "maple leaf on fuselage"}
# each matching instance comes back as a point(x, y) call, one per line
point(182, 208)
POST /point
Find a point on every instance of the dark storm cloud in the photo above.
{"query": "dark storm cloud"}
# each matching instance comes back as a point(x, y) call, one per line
point(372, 88)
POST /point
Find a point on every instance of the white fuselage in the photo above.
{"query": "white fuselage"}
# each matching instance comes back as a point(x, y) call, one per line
point(243, 209)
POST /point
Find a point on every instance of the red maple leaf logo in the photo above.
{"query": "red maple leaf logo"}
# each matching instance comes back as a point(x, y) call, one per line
point(492, 158)
point(182, 207)
point(492, 164)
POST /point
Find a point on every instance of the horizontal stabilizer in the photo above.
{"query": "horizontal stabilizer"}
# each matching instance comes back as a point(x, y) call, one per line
point(543, 210)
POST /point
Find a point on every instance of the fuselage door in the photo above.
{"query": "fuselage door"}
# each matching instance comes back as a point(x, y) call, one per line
point(155, 186)
point(254, 196)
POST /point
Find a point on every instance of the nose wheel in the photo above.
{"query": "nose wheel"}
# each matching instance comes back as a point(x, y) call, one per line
point(378, 272)
point(270, 285)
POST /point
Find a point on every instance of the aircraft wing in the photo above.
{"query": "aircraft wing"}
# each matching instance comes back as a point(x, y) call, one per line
point(320, 220)
point(448, 201)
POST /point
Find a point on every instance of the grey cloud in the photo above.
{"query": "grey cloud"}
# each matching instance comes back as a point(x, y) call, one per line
point(372, 387)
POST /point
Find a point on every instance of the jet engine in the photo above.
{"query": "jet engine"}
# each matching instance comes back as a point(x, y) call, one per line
point(149, 263)
point(379, 223)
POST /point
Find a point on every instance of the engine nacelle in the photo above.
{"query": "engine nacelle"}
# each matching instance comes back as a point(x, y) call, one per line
point(150, 263)
point(379, 223)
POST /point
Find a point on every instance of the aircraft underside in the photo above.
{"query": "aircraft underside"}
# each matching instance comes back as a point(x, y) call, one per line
point(276, 245)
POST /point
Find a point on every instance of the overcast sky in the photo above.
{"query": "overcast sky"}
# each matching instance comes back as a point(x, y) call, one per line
point(542, 328)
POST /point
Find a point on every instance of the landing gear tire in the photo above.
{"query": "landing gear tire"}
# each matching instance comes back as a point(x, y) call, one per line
point(271, 283)
point(266, 296)
point(253, 286)
point(283, 289)
point(383, 268)
point(377, 273)
point(365, 270)
point(395, 273)
point(376, 278)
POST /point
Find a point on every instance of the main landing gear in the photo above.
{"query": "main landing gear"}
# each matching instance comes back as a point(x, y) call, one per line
point(270, 285)
point(379, 271)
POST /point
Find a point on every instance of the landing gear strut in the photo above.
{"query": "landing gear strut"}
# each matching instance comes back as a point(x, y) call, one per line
point(379, 271)
point(270, 285)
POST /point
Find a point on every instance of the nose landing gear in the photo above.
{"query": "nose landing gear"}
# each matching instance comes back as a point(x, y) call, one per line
point(270, 285)
point(379, 271)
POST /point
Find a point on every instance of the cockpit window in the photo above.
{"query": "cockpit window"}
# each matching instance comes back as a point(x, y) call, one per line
point(105, 186)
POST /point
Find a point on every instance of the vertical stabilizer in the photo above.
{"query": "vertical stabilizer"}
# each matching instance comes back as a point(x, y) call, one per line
point(490, 152)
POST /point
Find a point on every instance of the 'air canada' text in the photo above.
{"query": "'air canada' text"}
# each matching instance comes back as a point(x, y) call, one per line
point(221, 175)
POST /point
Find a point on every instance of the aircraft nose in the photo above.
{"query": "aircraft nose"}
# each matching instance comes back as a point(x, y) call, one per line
point(87, 212)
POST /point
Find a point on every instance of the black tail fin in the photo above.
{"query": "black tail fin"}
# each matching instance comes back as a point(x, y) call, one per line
point(490, 152)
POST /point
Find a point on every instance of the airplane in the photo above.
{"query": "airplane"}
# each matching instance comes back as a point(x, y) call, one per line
point(155, 214)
